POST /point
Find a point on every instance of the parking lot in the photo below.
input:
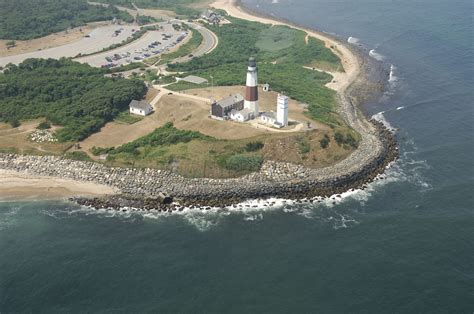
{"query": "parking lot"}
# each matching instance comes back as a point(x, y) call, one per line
point(96, 40)
point(151, 44)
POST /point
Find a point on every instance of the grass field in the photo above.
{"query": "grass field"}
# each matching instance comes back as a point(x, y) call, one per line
point(276, 38)
point(127, 118)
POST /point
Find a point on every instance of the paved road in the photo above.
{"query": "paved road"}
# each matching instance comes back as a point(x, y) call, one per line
point(208, 44)
point(99, 38)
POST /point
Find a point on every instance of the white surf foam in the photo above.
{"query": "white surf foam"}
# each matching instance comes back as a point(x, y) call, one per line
point(377, 56)
point(392, 76)
point(381, 118)
point(353, 40)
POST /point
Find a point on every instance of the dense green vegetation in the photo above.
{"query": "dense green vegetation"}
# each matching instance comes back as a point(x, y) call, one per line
point(324, 142)
point(242, 162)
point(281, 53)
point(67, 93)
point(181, 7)
point(27, 19)
point(145, 19)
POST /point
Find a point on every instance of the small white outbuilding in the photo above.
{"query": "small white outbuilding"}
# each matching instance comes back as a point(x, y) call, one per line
point(140, 107)
point(241, 115)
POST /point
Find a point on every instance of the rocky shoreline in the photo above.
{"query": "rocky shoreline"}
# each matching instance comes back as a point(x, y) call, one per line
point(144, 188)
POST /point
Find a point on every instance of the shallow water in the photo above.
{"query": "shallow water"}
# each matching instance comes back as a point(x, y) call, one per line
point(403, 245)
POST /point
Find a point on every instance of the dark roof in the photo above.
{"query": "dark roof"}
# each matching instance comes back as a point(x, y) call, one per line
point(140, 104)
point(230, 101)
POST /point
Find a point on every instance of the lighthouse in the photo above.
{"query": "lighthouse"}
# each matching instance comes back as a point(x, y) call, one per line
point(251, 91)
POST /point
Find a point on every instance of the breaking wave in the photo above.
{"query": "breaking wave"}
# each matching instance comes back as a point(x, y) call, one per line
point(353, 40)
point(381, 118)
point(377, 56)
point(392, 76)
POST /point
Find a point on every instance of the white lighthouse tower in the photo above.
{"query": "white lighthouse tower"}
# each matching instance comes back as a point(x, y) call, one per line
point(251, 91)
point(282, 110)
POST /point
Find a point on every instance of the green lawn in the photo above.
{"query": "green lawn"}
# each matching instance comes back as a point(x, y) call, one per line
point(276, 38)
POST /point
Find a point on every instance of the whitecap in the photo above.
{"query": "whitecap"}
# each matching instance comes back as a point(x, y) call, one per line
point(381, 118)
point(392, 78)
point(353, 40)
point(377, 56)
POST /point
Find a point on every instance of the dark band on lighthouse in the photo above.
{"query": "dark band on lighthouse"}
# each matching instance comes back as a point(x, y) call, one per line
point(251, 93)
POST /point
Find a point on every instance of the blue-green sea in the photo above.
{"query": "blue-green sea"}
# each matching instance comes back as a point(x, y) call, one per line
point(404, 245)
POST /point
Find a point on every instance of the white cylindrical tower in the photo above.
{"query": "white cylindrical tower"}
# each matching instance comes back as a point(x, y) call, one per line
point(282, 109)
point(251, 91)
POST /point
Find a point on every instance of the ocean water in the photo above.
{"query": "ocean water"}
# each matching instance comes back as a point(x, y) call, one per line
point(404, 245)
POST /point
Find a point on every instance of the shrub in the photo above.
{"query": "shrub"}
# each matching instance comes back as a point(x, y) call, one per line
point(324, 142)
point(15, 123)
point(304, 147)
point(339, 138)
point(348, 139)
point(79, 155)
point(44, 125)
point(242, 162)
point(96, 151)
point(254, 146)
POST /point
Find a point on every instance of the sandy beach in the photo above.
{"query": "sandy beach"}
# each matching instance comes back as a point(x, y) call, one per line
point(341, 80)
point(21, 186)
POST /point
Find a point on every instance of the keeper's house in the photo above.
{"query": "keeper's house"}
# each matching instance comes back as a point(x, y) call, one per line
point(140, 107)
point(221, 109)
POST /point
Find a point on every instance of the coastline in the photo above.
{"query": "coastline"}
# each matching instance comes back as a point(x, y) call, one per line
point(376, 151)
